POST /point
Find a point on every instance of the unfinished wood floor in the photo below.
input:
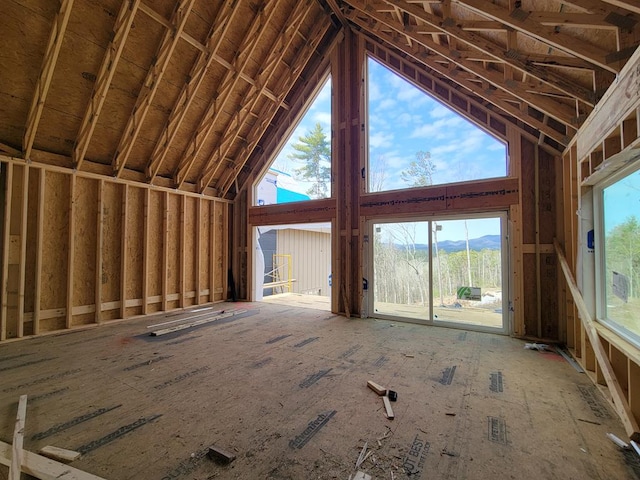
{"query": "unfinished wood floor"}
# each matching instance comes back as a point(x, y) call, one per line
point(284, 388)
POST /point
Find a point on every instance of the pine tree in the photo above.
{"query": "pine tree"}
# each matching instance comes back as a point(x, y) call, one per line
point(420, 171)
point(315, 151)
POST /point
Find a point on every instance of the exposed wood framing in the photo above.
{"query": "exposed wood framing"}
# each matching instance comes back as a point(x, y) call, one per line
point(101, 86)
point(46, 74)
point(198, 73)
point(99, 246)
point(285, 37)
point(145, 254)
point(23, 249)
point(39, 240)
point(70, 251)
point(224, 92)
point(198, 253)
point(18, 440)
point(619, 397)
point(151, 84)
point(518, 91)
point(124, 263)
point(165, 251)
point(6, 241)
point(213, 206)
point(522, 23)
point(182, 252)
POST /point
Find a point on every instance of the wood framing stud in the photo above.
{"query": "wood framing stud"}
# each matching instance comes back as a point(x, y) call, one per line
point(46, 74)
point(151, 84)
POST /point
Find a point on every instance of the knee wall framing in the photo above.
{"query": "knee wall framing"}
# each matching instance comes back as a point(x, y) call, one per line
point(80, 249)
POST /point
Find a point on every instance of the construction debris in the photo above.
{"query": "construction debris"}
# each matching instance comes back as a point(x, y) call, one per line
point(380, 390)
point(387, 407)
point(220, 455)
point(60, 454)
point(617, 441)
point(361, 456)
point(362, 476)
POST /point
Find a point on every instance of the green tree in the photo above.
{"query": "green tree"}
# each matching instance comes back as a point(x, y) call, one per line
point(420, 171)
point(623, 252)
point(315, 151)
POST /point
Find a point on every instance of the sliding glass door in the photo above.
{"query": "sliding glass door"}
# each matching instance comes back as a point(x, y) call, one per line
point(447, 271)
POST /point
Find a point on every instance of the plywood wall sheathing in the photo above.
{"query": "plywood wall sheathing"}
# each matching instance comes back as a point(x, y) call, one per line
point(81, 250)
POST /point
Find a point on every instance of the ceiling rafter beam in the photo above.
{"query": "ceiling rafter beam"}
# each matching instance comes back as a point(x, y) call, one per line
point(477, 86)
point(283, 42)
point(508, 56)
point(521, 90)
point(631, 5)
point(198, 72)
point(112, 55)
point(231, 78)
point(151, 84)
point(43, 83)
point(268, 111)
point(519, 20)
point(439, 81)
point(582, 20)
point(600, 6)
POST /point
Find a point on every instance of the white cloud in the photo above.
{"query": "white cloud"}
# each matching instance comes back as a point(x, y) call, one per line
point(324, 118)
point(380, 140)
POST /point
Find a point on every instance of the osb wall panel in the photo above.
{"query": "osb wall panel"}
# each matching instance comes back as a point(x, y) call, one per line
point(85, 224)
point(111, 247)
point(97, 219)
point(135, 247)
point(55, 246)
point(155, 253)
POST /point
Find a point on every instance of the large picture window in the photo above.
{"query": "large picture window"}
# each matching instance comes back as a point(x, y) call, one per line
point(618, 228)
point(416, 141)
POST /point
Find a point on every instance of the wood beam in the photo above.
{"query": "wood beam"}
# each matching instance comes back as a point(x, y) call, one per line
point(71, 251)
point(165, 251)
point(631, 5)
point(151, 84)
point(212, 249)
point(620, 99)
point(198, 247)
point(23, 248)
point(46, 74)
point(6, 241)
point(371, 21)
point(145, 251)
point(225, 90)
point(519, 19)
point(619, 398)
point(258, 28)
point(99, 244)
point(286, 81)
point(101, 86)
point(201, 67)
point(37, 291)
point(123, 252)
point(497, 52)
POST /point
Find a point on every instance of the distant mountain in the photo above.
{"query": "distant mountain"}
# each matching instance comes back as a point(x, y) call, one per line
point(490, 242)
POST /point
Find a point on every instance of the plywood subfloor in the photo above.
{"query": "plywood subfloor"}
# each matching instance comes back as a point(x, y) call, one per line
point(284, 389)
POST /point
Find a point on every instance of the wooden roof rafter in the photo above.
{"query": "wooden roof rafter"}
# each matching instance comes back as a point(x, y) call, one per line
point(524, 91)
point(103, 80)
point(201, 66)
point(501, 54)
point(152, 82)
point(46, 74)
point(285, 83)
point(501, 99)
point(285, 38)
point(521, 21)
point(231, 78)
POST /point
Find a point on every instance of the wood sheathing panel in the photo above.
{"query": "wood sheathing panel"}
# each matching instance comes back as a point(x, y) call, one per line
point(135, 248)
point(55, 249)
point(84, 252)
point(154, 274)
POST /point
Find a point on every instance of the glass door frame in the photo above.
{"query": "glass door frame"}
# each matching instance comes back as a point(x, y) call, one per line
point(505, 269)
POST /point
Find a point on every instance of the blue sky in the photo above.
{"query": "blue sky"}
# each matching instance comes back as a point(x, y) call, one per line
point(403, 121)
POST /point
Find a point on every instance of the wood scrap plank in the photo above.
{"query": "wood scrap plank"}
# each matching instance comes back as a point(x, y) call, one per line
point(380, 390)
point(18, 438)
point(177, 328)
point(59, 454)
point(44, 468)
point(387, 407)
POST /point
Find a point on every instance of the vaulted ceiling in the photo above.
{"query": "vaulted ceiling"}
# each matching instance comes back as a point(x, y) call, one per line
point(185, 93)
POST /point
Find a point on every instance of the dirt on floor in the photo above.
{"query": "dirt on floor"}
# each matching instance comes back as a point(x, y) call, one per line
point(284, 390)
